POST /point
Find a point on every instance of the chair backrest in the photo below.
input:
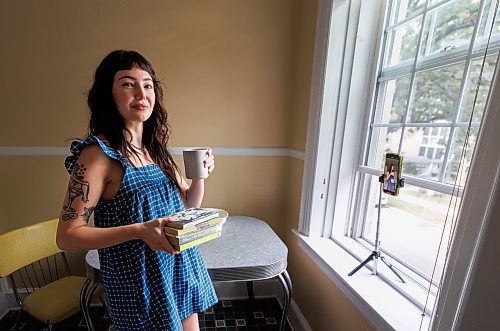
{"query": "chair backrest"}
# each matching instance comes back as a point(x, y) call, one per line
point(26, 245)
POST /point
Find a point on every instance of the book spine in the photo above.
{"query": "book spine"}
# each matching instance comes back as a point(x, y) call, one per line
point(180, 232)
point(180, 240)
point(197, 234)
point(197, 241)
point(187, 224)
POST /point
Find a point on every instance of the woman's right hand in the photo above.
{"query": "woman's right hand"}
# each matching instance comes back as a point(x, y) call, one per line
point(152, 234)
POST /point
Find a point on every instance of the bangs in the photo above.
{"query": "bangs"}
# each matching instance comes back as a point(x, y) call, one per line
point(127, 60)
point(120, 60)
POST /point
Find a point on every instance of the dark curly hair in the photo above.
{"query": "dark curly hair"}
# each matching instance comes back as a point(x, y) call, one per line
point(105, 119)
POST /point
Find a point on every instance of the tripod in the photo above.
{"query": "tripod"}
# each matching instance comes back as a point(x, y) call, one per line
point(376, 253)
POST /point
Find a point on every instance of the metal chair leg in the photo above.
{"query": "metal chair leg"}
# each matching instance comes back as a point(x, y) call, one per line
point(16, 325)
point(250, 292)
point(286, 284)
point(83, 301)
point(90, 294)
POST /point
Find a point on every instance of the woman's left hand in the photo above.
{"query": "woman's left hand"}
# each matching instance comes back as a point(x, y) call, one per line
point(209, 161)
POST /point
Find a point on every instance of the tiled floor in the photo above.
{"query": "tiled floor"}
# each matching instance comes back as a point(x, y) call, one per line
point(258, 314)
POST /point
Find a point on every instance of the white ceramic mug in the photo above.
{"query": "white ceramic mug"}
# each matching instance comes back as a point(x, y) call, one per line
point(193, 162)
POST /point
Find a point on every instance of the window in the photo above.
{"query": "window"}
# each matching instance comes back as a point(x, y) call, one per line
point(425, 91)
point(426, 58)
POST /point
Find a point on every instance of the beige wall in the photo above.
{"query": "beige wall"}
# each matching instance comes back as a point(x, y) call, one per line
point(237, 74)
point(304, 30)
point(226, 64)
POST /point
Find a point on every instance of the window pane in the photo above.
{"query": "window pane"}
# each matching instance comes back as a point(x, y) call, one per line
point(439, 153)
point(395, 99)
point(449, 26)
point(457, 147)
point(471, 89)
point(427, 166)
point(430, 153)
point(436, 94)
point(487, 19)
point(410, 225)
point(383, 140)
point(404, 41)
point(409, 7)
point(496, 26)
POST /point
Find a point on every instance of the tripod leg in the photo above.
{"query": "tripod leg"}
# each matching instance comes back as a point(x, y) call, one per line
point(392, 269)
point(368, 259)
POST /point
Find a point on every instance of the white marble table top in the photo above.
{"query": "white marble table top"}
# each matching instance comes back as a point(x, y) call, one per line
point(247, 250)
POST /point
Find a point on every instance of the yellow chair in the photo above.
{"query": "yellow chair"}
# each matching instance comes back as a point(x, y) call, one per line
point(39, 273)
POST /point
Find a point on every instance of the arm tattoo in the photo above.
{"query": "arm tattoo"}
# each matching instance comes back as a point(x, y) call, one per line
point(86, 214)
point(78, 187)
point(69, 216)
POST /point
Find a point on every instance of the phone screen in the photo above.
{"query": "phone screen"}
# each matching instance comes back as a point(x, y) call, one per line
point(392, 173)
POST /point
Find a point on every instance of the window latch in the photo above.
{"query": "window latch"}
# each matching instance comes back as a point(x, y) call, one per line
point(447, 48)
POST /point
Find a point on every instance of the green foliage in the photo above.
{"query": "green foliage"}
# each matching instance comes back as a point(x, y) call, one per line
point(436, 94)
point(410, 168)
point(453, 24)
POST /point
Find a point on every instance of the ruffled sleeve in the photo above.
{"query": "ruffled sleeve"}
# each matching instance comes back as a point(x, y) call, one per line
point(77, 147)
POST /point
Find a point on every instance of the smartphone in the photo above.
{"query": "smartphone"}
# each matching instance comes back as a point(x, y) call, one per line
point(392, 173)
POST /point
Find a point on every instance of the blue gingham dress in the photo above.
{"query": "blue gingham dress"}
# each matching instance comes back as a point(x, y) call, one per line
point(146, 290)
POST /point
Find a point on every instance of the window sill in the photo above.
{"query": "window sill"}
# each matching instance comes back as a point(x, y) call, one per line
point(381, 304)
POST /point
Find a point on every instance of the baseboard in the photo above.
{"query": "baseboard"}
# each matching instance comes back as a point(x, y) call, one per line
point(296, 319)
point(8, 302)
point(4, 305)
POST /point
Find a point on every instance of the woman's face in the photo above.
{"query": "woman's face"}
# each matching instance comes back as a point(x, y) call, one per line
point(134, 95)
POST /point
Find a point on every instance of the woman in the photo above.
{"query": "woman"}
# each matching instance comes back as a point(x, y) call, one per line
point(391, 179)
point(124, 173)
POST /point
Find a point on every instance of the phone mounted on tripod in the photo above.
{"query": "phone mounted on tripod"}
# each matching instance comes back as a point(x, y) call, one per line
point(390, 182)
point(393, 164)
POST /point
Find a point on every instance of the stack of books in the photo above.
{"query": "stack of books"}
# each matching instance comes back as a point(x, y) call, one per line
point(194, 226)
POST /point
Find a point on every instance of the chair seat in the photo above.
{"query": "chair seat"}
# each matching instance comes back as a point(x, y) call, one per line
point(55, 301)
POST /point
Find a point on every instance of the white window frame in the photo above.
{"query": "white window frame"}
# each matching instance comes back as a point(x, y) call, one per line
point(464, 54)
point(332, 127)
